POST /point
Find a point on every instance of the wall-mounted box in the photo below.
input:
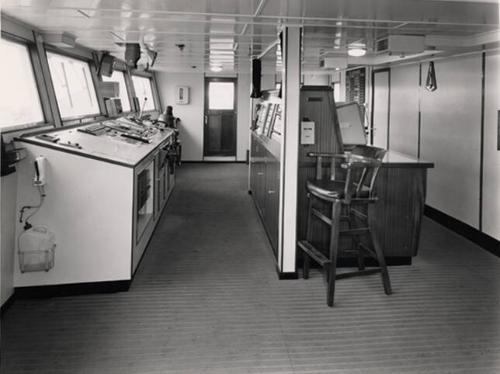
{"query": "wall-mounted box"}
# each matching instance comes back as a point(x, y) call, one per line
point(401, 44)
point(182, 95)
point(109, 89)
point(333, 63)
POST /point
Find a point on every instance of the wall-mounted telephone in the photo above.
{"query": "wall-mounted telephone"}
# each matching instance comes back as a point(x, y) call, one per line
point(40, 171)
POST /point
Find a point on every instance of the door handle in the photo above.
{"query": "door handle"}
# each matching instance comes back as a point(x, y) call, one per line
point(206, 120)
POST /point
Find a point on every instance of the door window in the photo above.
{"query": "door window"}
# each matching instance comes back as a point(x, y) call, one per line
point(221, 96)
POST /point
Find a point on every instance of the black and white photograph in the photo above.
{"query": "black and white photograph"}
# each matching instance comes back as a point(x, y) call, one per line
point(250, 187)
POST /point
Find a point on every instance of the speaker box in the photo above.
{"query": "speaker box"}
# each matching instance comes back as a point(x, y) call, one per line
point(256, 77)
point(132, 54)
point(106, 66)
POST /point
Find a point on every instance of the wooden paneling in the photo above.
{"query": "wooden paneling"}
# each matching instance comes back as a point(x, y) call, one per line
point(317, 105)
point(265, 184)
point(397, 215)
point(400, 185)
point(398, 212)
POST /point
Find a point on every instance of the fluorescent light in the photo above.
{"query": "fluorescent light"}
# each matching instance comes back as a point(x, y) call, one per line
point(356, 51)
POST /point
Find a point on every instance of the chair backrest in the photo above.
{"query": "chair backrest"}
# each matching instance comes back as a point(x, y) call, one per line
point(361, 167)
point(366, 180)
point(360, 177)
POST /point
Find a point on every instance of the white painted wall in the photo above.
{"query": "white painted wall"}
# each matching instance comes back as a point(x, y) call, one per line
point(403, 135)
point(381, 109)
point(451, 128)
point(491, 179)
point(243, 119)
point(83, 199)
point(316, 79)
point(268, 81)
point(451, 135)
point(8, 240)
point(191, 115)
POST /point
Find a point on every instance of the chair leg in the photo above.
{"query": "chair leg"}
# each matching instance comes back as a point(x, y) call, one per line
point(383, 267)
point(361, 257)
point(334, 244)
point(305, 264)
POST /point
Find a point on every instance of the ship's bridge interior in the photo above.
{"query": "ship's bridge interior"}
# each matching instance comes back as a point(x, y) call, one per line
point(250, 186)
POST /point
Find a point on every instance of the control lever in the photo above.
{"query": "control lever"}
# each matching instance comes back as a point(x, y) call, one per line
point(142, 108)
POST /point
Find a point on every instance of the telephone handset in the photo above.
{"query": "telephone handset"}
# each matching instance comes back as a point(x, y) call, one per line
point(40, 171)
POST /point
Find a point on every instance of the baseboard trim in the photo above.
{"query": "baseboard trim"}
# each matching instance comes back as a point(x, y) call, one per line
point(37, 292)
point(7, 304)
point(287, 275)
point(214, 162)
point(351, 262)
point(474, 235)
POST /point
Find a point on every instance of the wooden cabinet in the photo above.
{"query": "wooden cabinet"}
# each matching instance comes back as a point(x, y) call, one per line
point(265, 183)
point(400, 186)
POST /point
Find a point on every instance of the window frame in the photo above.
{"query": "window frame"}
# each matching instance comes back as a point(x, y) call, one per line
point(152, 82)
point(93, 73)
point(36, 69)
point(127, 87)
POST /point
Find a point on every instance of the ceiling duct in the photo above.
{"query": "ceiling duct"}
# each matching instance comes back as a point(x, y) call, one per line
point(401, 44)
point(60, 39)
point(333, 63)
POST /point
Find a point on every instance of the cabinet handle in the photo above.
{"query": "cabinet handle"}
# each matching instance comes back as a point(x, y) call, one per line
point(260, 173)
point(270, 192)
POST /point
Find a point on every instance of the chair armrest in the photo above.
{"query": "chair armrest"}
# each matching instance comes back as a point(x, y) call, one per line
point(358, 162)
point(326, 154)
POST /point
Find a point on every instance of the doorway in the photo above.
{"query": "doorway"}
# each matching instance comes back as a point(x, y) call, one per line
point(380, 108)
point(220, 118)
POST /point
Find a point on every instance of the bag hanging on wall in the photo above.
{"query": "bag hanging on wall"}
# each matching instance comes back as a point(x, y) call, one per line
point(431, 83)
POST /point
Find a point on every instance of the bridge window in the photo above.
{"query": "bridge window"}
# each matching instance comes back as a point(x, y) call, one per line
point(119, 76)
point(20, 102)
point(142, 87)
point(75, 91)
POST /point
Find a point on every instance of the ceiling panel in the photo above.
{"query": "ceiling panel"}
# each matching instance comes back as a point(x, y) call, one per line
point(230, 32)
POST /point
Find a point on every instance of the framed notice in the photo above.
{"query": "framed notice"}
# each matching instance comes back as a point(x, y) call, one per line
point(182, 95)
point(261, 122)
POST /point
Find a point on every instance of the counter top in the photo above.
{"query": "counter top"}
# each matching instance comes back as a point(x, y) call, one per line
point(109, 146)
point(397, 159)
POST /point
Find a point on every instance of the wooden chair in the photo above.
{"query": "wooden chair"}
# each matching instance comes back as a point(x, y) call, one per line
point(352, 201)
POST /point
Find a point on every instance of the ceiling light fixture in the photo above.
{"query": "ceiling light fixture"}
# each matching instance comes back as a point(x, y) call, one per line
point(356, 51)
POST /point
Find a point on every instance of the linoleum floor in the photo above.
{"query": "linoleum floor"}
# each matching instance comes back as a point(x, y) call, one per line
point(206, 299)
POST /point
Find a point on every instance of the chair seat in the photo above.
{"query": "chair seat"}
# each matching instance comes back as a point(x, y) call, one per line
point(328, 189)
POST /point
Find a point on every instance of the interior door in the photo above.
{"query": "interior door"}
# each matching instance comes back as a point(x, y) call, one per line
point(381, 107)
point(220, 117)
